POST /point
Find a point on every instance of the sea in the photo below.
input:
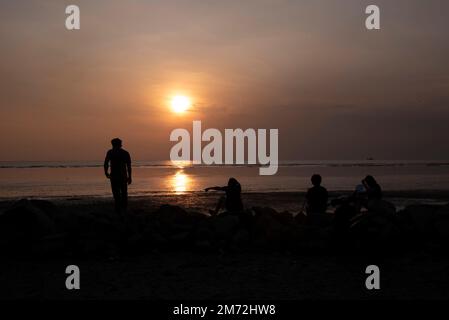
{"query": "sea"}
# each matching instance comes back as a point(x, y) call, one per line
point(86, 178)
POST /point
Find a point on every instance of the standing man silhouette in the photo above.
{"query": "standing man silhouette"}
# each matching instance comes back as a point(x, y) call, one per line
point(120, 174)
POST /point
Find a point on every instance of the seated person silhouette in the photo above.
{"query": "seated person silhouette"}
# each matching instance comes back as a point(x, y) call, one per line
point(232, 201)
point(316, 197)
point(348, 209)
point(373, 189)
point(120, 174)
point(373, 192)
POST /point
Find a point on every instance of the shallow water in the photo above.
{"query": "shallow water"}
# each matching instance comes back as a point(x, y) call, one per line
point(67, 179)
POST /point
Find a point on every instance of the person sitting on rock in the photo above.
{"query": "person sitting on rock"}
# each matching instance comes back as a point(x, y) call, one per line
point(232, 201)
point(373, 189)
point(349, 210)
point(316, 197)
point(370, 196)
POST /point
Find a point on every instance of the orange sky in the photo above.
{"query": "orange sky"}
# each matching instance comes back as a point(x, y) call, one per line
point(309, 68)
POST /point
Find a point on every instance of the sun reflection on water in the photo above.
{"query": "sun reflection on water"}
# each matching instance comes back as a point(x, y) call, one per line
point(180, 182)
point(181, 164)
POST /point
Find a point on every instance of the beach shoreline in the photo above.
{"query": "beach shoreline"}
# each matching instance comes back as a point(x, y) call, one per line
point(202, 201)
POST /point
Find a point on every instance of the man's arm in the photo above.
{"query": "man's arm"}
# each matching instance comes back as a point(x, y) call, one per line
point(106, 165)
point(216, 188)
point(129, 168)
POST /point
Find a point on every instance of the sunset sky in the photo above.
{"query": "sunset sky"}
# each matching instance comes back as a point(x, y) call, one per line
point(308, 68)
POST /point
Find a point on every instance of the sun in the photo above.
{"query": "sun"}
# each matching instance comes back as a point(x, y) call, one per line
point(180, 104)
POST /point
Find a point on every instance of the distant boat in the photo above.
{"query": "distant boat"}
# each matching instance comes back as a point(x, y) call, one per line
point(370, 158)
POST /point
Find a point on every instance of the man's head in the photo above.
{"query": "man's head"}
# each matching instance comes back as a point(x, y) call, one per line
point(370, 181)
point(234, 185)
point(316, 180)
point(232, 182)
point(116, 143)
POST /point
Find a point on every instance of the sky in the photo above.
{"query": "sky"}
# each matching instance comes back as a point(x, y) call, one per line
point(309, 68)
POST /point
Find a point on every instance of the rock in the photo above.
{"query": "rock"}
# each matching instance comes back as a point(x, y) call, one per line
point(374, 231)
point(181, 238)
point(169, 215)
point(215, 231)
point(285, 218)
point(26, 221)
point(282, 231)
point(442, 212)
point(224, 226)
point(241, 238)
point(442, 229)
point(158, 240)
point(203, 245)
point(382, 207)
point(442, 223)
point(300, 218)
point(96, 246)
point(267, 211)
point(342, 217)
point(320, 219)
point(203, 232)
point(420, 218)
point(317, 239)
point(308, 238)
point(267, 231)
point(136, 243)
point(50, 246)
point(173, 220)
point(87, 225)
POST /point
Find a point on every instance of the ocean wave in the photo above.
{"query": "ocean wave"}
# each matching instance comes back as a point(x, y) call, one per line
point(168, 164)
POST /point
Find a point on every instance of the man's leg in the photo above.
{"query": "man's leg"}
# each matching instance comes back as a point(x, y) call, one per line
point(220, 204)
point(124, 194)
point(115, 186)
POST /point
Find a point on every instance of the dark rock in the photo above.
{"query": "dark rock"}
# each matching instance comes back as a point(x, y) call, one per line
point(264, 211)
point(300, 218)
point(442, 212)
point(96, 247)
point(224, 225)
point(419, 218)
point(442, 223)
point(267, 231)
point(382, 207)
point(182, 237)
point(320, 219)
point(203, 245)
point(215, 231)
point(285, 218)
point(26, 221)
point(169, 215)
point(374, 231)
point(51, 246)
point(316, 239)
point(241, 238)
